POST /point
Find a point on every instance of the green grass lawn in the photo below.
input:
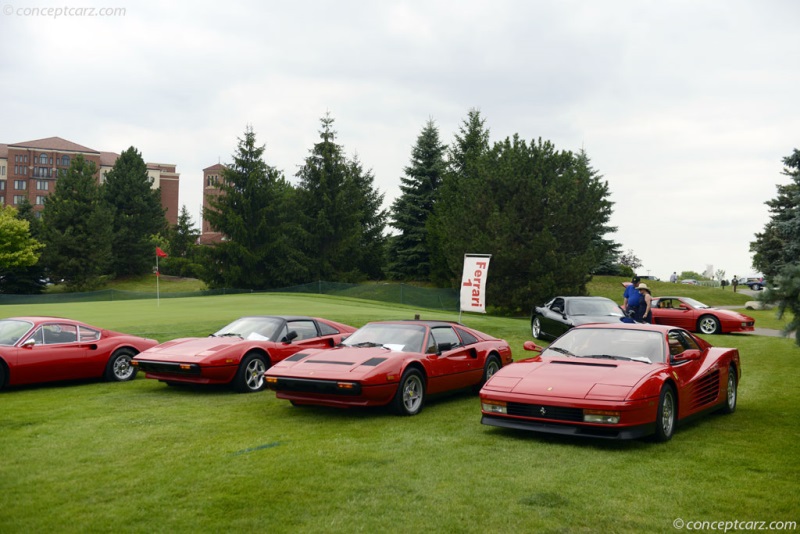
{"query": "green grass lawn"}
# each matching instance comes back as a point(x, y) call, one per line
point(144, 457)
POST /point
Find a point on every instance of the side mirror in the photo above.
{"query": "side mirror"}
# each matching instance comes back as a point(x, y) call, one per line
point(442, 347)
point(688, 355)
point(288, 338)
point(531, 346)
point(28, 343)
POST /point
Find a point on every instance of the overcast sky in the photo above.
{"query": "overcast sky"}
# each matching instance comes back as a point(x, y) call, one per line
point(686, 108)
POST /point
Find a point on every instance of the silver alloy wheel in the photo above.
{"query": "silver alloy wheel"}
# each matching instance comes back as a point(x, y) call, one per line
point(709, 324)
point(491, 368)
point(668, 413)
point(412, 393)
point(123, 370)
point(731, 389)
point(254, 374)
point(536, 328)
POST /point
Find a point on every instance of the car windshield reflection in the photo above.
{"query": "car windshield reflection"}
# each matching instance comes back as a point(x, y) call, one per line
point(399, 337)
point(695, 303)
point(258, 328)
point(609, 343)
point(594, 307)
point(11, 331)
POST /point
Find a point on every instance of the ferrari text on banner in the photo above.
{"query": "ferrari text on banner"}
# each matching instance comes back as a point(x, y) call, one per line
point(473, 282)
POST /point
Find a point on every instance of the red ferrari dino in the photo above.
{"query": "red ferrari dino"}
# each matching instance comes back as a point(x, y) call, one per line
point(395, 363)
point(48, 349)
point(239, 353)
point(616, 381)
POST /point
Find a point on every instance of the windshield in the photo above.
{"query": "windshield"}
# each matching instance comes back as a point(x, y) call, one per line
point(694, 303)
point(398, 337)
point(597, 307)
point(12, 331)
point(258, 328)
point(609, 343)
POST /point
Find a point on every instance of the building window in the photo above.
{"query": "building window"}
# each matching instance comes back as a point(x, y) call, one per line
point(40, 200)
point(18, 199)
point(20, 185)
point(2, 185)
point(42, 185)
point(65, 160)
point(2, 170)
point(43, 158)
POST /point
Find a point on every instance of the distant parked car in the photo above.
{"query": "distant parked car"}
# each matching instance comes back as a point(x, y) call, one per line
point(239, 353)
point(756, 284)
point(48, 349)
point(695, 316)
point(562, 313)
point(689, 281)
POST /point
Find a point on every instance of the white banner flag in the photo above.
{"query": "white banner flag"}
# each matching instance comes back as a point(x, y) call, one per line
point(473, 282)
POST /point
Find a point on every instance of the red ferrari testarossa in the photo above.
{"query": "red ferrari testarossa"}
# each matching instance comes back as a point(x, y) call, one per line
point(617, 381)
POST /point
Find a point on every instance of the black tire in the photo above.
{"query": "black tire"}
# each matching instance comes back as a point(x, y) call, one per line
point(491, 366)
point(2, 375)
point(250, 376)
point(708, 324)
point(731, 392)
point(119, 368)
point(666, 415)
point(536, 328)
point(410, 396)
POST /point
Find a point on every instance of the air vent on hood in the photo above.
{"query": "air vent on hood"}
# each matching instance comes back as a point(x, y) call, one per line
point(296, 357)
point(329, 361)
point(372, 362)
point(591, 364)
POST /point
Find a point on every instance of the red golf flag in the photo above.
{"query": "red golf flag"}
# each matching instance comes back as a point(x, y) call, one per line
point(160, 253)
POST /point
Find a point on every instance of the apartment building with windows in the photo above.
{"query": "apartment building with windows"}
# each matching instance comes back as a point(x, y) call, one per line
point(30, 170)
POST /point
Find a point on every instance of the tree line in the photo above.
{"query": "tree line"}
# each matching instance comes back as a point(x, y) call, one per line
point(541, 212)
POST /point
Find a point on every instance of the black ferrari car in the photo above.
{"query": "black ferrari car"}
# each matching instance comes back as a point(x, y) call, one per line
point(562, 313)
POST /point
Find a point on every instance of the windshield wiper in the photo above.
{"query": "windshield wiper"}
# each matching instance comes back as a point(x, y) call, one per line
point(366, 344)
point(563, 351)
point(615, 357)
point(229, 334)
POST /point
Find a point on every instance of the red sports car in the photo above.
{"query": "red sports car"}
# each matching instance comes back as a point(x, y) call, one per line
point(396, 363)
point(47, 349)
point(697, 317)
point(239, 353)
point(613, 381)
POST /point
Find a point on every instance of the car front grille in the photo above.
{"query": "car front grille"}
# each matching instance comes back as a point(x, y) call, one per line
point(541, 411)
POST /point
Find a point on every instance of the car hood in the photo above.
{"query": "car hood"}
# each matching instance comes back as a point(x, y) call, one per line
point(734, 315)
point(189, 349)
point(571, 378)
point(336, 361)
point(593, 319)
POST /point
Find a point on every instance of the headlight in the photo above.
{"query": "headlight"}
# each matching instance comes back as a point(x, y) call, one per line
point(493, 406)
point(600, 416)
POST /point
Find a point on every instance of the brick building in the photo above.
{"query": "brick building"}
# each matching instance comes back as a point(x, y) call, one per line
point(30, 169)
point(211, 178)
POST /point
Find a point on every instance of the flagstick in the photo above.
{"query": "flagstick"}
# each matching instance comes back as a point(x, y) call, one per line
point(158, 288)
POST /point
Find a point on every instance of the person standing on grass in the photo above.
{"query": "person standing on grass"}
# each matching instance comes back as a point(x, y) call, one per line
point(631, 296)
point(643, 312)
point(735, 282)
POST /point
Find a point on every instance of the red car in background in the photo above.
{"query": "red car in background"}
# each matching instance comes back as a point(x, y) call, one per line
point(695, 316)
point(617, 381)
point(394, 363)
point(48, 349)
point(239, 353)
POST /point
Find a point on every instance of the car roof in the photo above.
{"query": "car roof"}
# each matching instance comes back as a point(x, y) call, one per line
point(420, 322)
point(284, 317)
point(38, 318)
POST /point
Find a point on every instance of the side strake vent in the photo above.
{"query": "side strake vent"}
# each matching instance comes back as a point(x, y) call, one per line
point(706, 389)
point(372, 362)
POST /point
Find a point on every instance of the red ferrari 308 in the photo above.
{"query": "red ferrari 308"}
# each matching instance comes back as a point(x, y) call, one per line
point(48, 349)
point(395, 363)
point(613, 381)
point(239, 353)
point(695, 316)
